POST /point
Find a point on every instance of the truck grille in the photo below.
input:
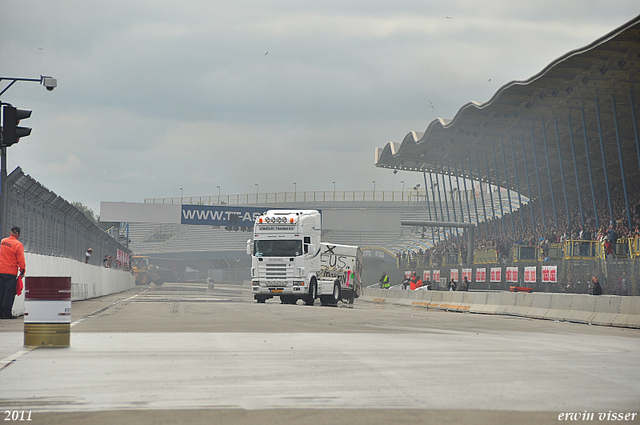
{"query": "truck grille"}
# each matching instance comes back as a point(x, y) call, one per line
point(276, 271)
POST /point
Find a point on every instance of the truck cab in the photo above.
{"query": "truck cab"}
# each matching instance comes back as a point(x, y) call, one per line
point(285, 255)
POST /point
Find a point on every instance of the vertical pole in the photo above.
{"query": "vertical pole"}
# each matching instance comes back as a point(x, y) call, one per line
point(426, 201)
point(624, 180)
point(586, 148)
point(635, 125)
point(526, 173)
point(466, 194)
point(564, 186)
point(546, 153)
point(515, 171)
point(499, 188)
point(435, 210)
point(575, 170)
point(484, 208)
point(493, 208)
point(604, 164)
point(506, 179)
point(475, 201)
point(453, 201)
point(3, 192)
point(444, 184)
point(535, 163)
point(455, 170)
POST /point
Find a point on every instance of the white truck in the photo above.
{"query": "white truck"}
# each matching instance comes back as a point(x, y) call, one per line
point(289, 261)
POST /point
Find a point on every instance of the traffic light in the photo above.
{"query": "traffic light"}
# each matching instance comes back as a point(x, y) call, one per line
point(11, 132)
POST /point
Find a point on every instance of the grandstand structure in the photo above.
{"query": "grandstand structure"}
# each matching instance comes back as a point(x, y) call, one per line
point(544, 159)
point(567, 137)
point(215, 247)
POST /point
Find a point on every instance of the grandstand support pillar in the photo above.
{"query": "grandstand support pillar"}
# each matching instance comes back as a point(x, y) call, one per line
point(635, 125)
point(515, 172)
point(426, 201)
point(455, 170)
point(475, 201)
point(564, 185)
point(433, 194)
point(484, 209)
point(586, 148)
point(444, 185)
point(466, 193)
point(604, 163)
point(440, 197)
point(506, 180)
point(499, 187)
point(453, 201)
point(469, 226)
point(535, 163)
point(575, 170)
point(624, 180)
point(546, 153)
point(493, 208)
point(526, 173)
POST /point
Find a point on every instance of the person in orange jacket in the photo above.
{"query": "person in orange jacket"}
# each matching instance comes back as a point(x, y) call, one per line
point(11, 263)
point(416, 282)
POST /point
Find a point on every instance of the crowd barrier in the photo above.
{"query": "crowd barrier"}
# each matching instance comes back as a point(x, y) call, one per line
point(87, 281)
point(605, 310)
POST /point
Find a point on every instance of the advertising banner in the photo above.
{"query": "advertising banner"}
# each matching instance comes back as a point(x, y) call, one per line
point(220, 215)
point(530, 274)
point(436, 275)
point(467, 273)
point(426, 275)
point(511, 274)
point(549, 274)
point(481, 275)
point(454, 275)
point(496, 274)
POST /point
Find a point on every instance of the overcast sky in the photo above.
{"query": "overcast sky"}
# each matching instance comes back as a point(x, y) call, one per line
point(157, 95)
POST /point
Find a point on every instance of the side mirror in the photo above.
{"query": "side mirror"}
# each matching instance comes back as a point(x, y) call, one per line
point(249, 247)
point(311, 248)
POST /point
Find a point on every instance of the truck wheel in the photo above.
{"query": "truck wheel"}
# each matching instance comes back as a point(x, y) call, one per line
point(145, 279)
point(351, 297)
point(260, 300)
point(313, 292)
point(336, 294)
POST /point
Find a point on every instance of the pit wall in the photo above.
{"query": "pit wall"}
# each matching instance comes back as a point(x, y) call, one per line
point(605, 310)
point(87, 281)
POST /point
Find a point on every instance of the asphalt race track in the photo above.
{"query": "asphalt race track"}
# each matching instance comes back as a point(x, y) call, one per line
point(184, 354)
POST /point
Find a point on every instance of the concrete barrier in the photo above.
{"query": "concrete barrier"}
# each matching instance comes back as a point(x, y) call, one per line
point(560, 306)
point(629, 313)
point(479, 302)
point(522, 307)
point(540, 305)
point(605, 310)
point(582, 309)
point(87, 281)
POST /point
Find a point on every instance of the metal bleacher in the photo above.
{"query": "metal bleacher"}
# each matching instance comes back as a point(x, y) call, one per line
point(168, 239)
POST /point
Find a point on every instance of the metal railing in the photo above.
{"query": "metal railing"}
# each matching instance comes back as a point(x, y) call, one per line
point(52, 226)
point(312, 196)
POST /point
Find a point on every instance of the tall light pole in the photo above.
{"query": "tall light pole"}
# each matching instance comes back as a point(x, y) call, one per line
point(374, 185)
point(257, 188)
point(334, 186)
point(402, 181)
point(218, 186)
point(180, 195)
point(49, 83)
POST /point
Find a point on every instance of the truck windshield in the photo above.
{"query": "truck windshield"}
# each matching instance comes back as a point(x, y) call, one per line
point(281, 248)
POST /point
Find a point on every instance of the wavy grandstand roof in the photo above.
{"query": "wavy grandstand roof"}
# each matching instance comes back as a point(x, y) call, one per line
point(587, 89)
